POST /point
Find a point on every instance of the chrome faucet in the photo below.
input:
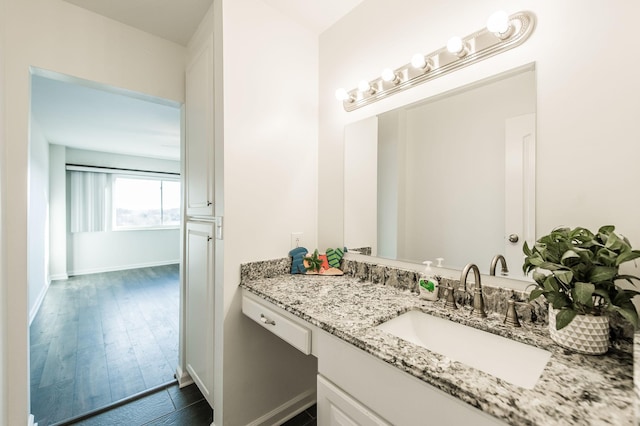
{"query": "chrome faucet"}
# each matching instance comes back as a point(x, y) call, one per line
point(478, 301)
point(494, 263)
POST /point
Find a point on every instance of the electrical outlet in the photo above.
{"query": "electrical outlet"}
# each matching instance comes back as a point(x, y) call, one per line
point(296, 239)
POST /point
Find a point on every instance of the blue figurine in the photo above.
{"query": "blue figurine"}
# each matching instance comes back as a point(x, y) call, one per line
point(297, 262)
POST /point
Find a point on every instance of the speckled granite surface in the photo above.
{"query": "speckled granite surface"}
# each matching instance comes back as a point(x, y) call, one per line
point(636, 375)
point(574, 389)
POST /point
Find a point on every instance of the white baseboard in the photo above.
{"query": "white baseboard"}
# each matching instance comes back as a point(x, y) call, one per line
point(184, 378)
point(57, 277)
point(32, 421)
point(36, 306)
point(122, 267)
point(288, 410)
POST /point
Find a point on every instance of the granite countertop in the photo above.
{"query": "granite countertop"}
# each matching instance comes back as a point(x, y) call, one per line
point(574, 389)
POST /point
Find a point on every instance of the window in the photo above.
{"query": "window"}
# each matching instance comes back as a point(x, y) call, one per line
point(145, 202)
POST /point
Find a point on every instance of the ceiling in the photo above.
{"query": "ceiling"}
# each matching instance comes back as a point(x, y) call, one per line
point(174, 20)
point(87, 116)
point(177, 20)
point(98, 119)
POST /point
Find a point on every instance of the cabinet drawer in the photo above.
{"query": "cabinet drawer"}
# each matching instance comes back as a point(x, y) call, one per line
point(296, 335)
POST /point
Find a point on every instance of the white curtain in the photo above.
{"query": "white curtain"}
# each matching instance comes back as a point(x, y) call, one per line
point(88, 202)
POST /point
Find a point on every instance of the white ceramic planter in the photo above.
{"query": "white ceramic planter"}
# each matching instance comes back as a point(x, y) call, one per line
point(586, 334)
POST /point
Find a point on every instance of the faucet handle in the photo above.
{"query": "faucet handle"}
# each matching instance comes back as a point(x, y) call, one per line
point(451, 300)
point(511, 316)
point(478, 304)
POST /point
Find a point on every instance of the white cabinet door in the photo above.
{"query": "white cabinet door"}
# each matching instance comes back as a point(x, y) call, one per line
point(337, 408)
point(199, 296)
point(199, 149)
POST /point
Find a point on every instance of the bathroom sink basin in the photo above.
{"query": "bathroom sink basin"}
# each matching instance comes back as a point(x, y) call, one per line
point(512, 361)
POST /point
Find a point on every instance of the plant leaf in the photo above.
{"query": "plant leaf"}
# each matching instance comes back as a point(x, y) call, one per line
point(535, 294)
point(539, 277)
point(565, 277)
point(627, 256)
point(551, 284)
point(583, 293)
point(564, 317)
point(628, 311)
point(601, 274)
point(569, 254)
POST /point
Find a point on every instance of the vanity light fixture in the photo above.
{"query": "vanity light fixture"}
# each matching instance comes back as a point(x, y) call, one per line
point(418, 61)
point(388, 75)
point(343, 95)
point(503, 32)
point(457, 46)
point(498, 23)
point(365, 88)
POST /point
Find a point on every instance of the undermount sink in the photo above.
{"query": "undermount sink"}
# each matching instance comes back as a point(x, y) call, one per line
point(512, 361)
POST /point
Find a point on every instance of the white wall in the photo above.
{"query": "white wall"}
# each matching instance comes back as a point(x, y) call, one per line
point(38, 217)
point(58, 36)
point(270, 186)
point(391, 183)
point(587, 97)
point(4, 346)
point(57, 213)
point(91, 252)
point(361, 184)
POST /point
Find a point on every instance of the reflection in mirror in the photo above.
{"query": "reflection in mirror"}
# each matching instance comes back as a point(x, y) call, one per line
point(450, 177)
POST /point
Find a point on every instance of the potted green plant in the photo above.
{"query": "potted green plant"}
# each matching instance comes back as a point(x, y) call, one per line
point(576, 271)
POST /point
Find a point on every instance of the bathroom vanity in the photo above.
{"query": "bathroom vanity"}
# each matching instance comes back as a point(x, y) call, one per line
point(371, 377)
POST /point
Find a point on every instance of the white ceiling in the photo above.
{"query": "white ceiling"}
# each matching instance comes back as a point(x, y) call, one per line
point(317, 15)
point(100, 119)
point(174, 20)
point(84, 117)
point(177, 20)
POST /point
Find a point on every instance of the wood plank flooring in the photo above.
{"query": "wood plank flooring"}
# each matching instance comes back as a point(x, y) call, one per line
point(171, 406)
point(102, 337)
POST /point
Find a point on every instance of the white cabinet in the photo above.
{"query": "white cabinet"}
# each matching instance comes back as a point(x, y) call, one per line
point(199, 147)
point(337, 408)
point(268, 316)
point(199, 298)
point(367, 383)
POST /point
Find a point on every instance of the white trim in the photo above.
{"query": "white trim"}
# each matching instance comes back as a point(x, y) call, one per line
point(58, 277)
point(288, 410)
point(36, 306)
point(184, 378)
point(123, 267)
point(31, 421)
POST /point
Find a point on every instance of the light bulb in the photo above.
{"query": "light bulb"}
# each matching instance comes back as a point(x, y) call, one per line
point(342, 94)
point(498, 22)
point(388, 75)
point(418, 61)
point(454, 45)
point(364, 86)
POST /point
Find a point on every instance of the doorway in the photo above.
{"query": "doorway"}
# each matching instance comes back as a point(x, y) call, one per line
point(104, 226)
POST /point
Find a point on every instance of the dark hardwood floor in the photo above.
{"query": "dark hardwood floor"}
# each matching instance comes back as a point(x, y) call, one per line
point(308, 417)
point(168, 407)
point(102, 337)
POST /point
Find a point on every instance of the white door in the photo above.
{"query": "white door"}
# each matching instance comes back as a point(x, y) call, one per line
point(520, 189)
point(199, 296)
point(199, 147)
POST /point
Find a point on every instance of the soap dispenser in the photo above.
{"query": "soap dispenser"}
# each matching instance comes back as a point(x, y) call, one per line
point(428, 283)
